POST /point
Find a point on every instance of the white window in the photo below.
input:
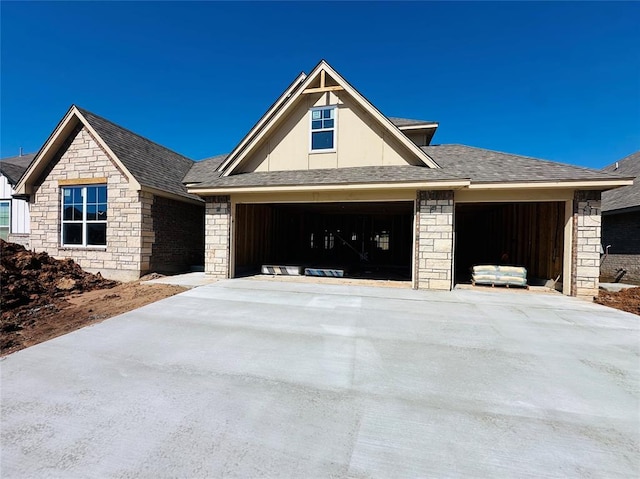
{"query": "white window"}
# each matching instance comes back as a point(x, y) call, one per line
point(328, 240)
point(323, 128)
point(5, 218)
point(84, 215)
point(382, 240)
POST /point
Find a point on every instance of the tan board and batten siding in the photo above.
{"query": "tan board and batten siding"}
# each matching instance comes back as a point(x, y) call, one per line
point(361, 141)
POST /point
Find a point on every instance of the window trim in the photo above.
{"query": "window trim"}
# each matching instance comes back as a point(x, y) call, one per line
point(8, 225)
point(334, 129)
point(84, 221)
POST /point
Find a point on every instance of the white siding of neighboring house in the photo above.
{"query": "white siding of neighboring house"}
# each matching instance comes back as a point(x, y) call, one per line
point(19, 208)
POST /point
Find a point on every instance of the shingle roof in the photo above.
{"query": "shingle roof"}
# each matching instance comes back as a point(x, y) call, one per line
point(456, 162)
point(487, 166)
point(355, 175)
point(627, 196)
point(400, 122)
point(204, 170)
point(14, 167)
point(151, 164)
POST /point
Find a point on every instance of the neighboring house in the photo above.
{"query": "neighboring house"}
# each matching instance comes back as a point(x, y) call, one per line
point(112, 200)
point(14, 212)
point(324, 180)
point(621, 225)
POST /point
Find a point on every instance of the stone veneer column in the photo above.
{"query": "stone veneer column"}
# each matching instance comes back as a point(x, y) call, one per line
point(147, 231)
point(434, 240)
point(217, 236)
point(586, 243)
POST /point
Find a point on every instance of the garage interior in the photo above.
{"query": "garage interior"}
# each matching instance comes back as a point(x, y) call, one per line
point(366, 240)
point(517, 234)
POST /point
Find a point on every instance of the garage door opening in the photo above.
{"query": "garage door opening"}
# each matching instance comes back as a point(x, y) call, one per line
point(365, 240)
point(519, 234)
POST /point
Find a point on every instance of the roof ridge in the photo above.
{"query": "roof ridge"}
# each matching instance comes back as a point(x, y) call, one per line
point(410, 119)
point(514, 154)
point(83, 111)
point(627, 158)
point(214, 157)
point(9, 159)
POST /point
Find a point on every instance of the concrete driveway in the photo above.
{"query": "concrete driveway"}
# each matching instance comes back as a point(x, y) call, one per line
point(248, 378)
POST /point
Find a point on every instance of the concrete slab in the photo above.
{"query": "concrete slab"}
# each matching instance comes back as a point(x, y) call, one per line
point(615, 287)
point(246, 378)
point(188, 280)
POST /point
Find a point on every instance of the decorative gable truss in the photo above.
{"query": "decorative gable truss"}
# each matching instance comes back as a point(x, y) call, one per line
point(321, 122)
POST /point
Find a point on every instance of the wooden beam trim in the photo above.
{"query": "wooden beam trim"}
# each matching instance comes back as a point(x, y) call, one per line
point(82, 181)
point(322, 89)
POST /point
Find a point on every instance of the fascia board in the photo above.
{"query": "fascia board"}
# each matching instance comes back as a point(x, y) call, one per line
point(173, 196)
point(417, 185)
point(23, 187)
point(58, 136)
point(372, 110)
point(422, 126)
point(585, 184)
point(260, 124)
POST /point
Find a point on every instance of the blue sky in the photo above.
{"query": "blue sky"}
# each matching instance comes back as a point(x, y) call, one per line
point(552, 80)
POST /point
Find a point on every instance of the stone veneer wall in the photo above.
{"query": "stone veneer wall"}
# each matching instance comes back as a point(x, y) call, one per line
point(20, 238)
point(79, 158)
point(622, 232)
point(434, 240)
point(217, 236)
point(178, 241)
point(586, 243)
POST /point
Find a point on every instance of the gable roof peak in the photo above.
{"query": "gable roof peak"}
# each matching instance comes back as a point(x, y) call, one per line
point(305, 86)
point(145, 163)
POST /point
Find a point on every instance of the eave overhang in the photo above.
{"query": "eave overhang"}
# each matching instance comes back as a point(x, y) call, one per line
point(415, 185)
point(601, 185)
point(422, 126)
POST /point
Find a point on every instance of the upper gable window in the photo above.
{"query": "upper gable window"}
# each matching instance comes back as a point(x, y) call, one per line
point(323, 128)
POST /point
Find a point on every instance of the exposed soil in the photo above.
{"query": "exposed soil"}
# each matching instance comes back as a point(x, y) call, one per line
point(42, 297)
point(626, 300)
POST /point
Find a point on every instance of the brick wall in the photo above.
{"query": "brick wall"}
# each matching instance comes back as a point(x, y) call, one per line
point(434, 240)
point(586, 243)
point(622, 232)
point(80, 158)
point(178, 241)
point(217, 236)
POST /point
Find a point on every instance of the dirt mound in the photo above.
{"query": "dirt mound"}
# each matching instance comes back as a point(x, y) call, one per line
point(42, 297)
point(31, 279)
point(625, 300)
point(32, 284)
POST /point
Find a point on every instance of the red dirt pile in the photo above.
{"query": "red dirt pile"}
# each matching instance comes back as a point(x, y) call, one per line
point(29, 280)
point(626, 300)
